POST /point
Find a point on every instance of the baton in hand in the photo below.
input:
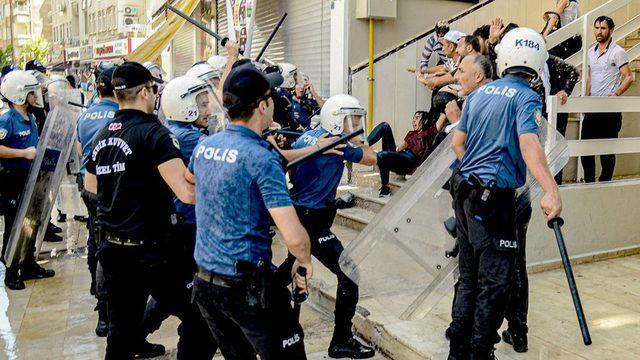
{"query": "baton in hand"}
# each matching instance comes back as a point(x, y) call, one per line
point(556, 224)
point(297, 295)
point(315, 153)
point(223, 40)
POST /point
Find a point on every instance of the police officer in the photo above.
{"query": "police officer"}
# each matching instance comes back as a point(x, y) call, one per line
point(135, 168)
point(18, 141)
point(158, 74)
point(90, 122)
point(315, 183)
point(187, 103)
point(240, 187)
point(495, 141)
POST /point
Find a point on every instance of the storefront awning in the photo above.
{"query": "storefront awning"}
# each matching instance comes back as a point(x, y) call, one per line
point(151, 48)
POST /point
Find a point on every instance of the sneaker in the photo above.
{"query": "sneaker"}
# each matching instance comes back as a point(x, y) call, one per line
point(12, 280)
point(35, 271)
point(148, 350)
point(385, 191)
point(352, 349)
point(516, 339)
point(53, 229)
point(102, 329)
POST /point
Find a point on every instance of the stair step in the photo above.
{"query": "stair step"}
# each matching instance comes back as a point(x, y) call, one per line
point(366, 197)
point(355, 218)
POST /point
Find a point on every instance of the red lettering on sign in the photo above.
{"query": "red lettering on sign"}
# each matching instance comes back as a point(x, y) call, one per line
point(115, 126)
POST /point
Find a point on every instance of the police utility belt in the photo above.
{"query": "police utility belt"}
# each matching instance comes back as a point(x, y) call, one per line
point(477, 191)
point(104, 235)
point(256, 281)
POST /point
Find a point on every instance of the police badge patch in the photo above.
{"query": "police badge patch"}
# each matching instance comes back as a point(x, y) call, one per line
point(176, 143)
point(538, 116)
point(3, 133)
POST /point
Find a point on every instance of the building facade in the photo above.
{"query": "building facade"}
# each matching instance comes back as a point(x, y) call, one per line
point(22, 20)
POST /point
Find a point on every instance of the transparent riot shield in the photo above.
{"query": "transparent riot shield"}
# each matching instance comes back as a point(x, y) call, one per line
point(45, 175)
point(218, 117)
point(401, 259)
point(69, 201)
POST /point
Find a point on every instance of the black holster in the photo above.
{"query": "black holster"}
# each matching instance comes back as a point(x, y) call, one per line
point(259, 282)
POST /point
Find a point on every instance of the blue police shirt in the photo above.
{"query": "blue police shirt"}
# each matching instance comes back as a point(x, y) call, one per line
point(316, 181)
point(494, 117)
point(188, 137)
point(90, 122)
point(17, 133)
point(238, 178)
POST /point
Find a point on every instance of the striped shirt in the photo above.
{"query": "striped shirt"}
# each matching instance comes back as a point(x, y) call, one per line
point(432, 45)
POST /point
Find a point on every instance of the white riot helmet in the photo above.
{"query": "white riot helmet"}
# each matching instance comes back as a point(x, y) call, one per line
point(218, 63)
point(17, 84)
point(339, 108)
point(204, 72)
point(181, 97)
point(58, 82)
point(288, 72)
point(155, 69)
point(524, 49)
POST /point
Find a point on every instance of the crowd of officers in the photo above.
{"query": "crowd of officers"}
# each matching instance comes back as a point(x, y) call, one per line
point(183, 186)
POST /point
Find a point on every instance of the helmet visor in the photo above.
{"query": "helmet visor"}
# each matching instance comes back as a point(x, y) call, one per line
point(217, 114)
point(354, 120)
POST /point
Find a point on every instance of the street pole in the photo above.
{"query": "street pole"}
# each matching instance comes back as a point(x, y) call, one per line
point(13, 49)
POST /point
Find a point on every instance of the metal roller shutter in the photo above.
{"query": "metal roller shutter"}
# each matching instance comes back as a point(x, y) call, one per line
point(183, 50)
point(304, 38)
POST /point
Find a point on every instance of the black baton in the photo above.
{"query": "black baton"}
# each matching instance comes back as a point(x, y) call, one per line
point(315, 153)
point(223, 40)
point(297, 295)
point(273, 33)
point(556, 224)
point(77, 104)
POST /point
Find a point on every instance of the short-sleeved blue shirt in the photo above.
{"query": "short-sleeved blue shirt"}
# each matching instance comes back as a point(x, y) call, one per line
point(90, 122)
point(493, 118)
point(188, 137)
point(17, 133)
point(237, 179)
point(316, 181)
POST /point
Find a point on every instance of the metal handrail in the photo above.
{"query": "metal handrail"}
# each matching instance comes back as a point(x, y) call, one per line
point(395, 49)
point(596, 104)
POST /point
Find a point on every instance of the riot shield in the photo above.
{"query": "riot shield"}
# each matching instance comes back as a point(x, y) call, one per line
point(400, 260)
point(69, 200)
point(45, 175)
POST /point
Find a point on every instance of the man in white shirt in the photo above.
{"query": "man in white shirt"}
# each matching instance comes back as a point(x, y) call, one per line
point(609, 75)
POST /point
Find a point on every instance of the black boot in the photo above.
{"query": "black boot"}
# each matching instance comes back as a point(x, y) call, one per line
point(61, 217)
point(517, 339)
point(102, 329)
point(148, 350)
point(457, 350)
point(52, 229)
point(482, 354)
point(12, 279)
point(35, 271)
point(51, 237)
point(80, 218)
point(350, 348)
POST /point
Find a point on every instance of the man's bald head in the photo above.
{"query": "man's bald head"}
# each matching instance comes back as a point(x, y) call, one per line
point(474, 71)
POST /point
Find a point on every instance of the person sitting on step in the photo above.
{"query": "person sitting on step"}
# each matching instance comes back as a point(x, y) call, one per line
point(404, 159)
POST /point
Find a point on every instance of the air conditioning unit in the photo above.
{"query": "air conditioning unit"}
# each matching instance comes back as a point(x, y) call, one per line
point(130, 11)
point(129, 20)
